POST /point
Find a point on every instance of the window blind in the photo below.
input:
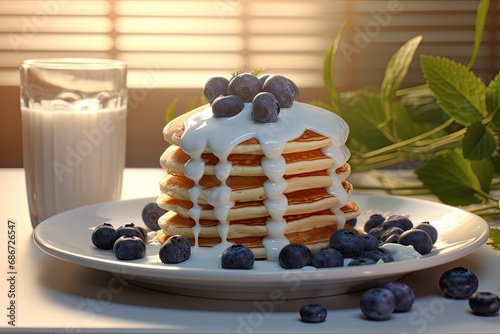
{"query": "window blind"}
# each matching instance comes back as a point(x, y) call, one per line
point(182, 43)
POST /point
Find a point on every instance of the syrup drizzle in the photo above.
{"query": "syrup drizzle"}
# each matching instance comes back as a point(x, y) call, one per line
point(221, 135)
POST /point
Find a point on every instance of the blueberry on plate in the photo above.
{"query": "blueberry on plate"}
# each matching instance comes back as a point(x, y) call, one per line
point(313, 313)
point(348, 242)
point(388, 232)
point(484, 303)
point(378, 304)
point(102, 236)
point(175, 250)
point(377, 255)
point(458, 283)
point(375, 220)
point(431, 230)
point(404, 295)
point(397, 221)
point(361, 262)
point(237, 257)
point(150, 215)
point(327, 258)
point(294, 256)
point(419, 239)
point(129, 229)
point(129, 247)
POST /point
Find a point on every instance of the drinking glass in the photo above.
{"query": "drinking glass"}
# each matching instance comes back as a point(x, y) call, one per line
point(74, 114)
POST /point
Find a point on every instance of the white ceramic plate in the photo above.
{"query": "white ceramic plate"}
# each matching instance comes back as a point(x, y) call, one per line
point(67, 236)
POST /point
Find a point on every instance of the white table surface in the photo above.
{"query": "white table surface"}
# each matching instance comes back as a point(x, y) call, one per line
point(53, 296)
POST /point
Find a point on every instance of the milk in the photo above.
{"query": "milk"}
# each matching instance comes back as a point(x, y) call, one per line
point(66, 151)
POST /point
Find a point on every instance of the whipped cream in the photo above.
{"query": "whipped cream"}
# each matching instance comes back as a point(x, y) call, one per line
point(221, 135)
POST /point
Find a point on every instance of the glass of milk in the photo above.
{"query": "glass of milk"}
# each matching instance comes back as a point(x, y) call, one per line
point(74, 124)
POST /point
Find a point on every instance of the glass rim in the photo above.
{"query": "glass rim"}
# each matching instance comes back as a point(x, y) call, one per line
point(74, 63)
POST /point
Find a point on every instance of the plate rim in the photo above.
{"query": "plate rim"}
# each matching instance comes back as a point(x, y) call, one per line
point(256, 277)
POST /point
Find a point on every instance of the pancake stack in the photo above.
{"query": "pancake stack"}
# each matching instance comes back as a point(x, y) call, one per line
point(261, 185)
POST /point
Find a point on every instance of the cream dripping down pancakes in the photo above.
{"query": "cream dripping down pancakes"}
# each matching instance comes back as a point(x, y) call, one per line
point(263, 185)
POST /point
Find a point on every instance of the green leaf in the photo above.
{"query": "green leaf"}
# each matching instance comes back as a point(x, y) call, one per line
point(484, 170)
point(481, 16)
point(397, 68)
point(451, 178)
point(364, 113)
point(169, 113)
point(458, 91)
point(494, 239)
point(493, 101)
point(478, 143)
point(328, 68)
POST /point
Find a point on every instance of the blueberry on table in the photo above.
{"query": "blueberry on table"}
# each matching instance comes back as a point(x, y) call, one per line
point(313, 313)
point(397, 221)
point(375, 220)
point(175, 249)
point(458, 283)
point(102, 236)
point(244, 85)
point(294, 256)
point(227, 106)
point(282, 88)
point(150, 215)
point(265, 108)
point(129, 247)
point(484, 303)
point(419, 239)
point(429, 229)
point(128, 229)
point(237, 257)
point(348, 242)
point(378, 304)
point(405, 297)
point(214, 88)
point(327, 258)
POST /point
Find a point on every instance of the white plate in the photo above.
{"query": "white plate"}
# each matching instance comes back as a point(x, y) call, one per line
point(67, 236)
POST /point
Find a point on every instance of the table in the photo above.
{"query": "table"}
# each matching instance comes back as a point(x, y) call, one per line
point(53, 296)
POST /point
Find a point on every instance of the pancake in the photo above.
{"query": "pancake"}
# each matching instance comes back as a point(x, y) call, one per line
point(233, 179)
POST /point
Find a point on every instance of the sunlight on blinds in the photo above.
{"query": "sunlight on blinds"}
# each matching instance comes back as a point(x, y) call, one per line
point(181, 43)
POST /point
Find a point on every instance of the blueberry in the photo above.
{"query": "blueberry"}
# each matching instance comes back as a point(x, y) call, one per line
point(227, 106)
point(294, 256)
point(392, 239)
point(376, 232)
point(282, 88)
point(361, 262)
point(352, 222)
point(214, 88)
point(102, 236)
point(375, 220)
point(484, 303)
point(419, 239)
point(390, 231)
point(397, 221)
point(263, 78)
point(129, 247)
point(150, 215)
point(404, 295)
point(378, 303)
point(348, 242)
point(265, 108)
point(175, 250)
point(370, 242)
point(458, 283)
point(327, 258)
point(429, 229)
point(313, 313)
point(244, 85)
point(237, 257)
point(378, 254)
point(128, 229)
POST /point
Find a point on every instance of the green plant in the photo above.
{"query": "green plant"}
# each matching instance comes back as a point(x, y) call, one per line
point(446, 130)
